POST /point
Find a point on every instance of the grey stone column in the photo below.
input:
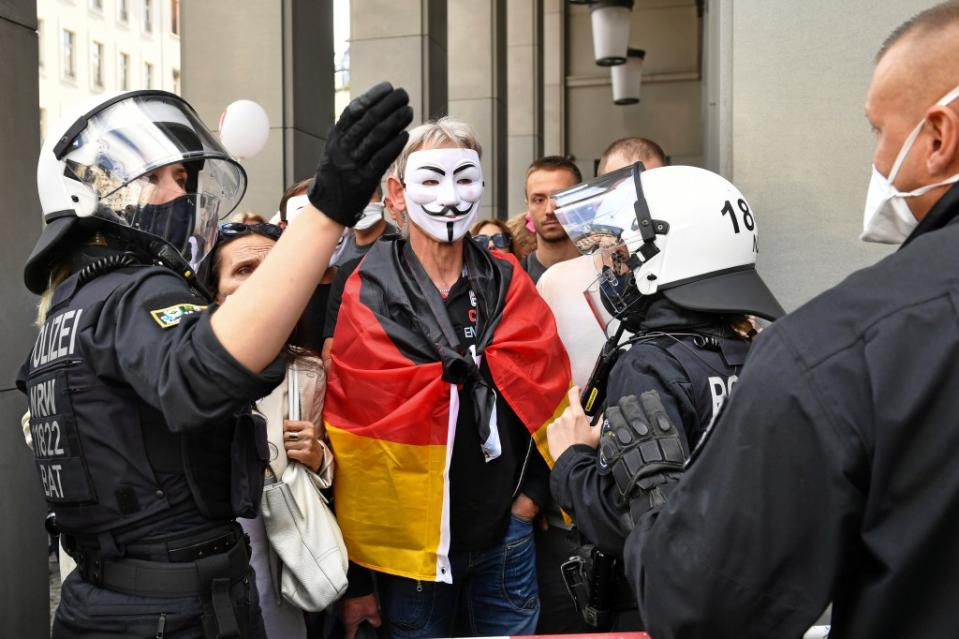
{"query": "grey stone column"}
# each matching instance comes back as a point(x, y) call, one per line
point(809, 214)
point(524, 63)
point(554, 77)
point(279, 54)
point(405, 43)
point(23, 541)
point(477, 89)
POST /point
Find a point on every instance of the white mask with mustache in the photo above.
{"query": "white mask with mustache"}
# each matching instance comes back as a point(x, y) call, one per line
point(443, 190)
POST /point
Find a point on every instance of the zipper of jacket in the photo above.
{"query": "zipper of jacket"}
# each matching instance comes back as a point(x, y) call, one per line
point(522, 472)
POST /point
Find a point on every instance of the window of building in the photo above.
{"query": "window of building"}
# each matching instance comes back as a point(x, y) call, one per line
point(148, 75)
point(40, 42)
point(148, 16)
point(123, 75)
point(96, 5)
point(175, 17)
point(123, 11)
point(69, 50)
point(176, 81)
point(96, 64)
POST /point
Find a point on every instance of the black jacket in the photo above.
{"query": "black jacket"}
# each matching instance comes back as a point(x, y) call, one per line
point(832, 475)
point(692, 377)
point(134, 406)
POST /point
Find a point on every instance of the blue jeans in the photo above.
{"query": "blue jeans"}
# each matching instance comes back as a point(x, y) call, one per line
point(494, 592)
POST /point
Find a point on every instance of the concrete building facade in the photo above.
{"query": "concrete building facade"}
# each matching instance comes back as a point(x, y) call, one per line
point(88, 47)
point(278, 54)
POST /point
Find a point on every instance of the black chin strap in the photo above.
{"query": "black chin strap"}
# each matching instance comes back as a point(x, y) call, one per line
point(161, 252)
point(647, 226)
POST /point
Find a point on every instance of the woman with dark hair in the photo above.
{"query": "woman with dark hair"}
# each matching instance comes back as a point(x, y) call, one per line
point(238, 251)
point(493, 235)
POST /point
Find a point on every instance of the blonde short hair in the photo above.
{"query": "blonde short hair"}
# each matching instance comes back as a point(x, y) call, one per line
point(443, 130)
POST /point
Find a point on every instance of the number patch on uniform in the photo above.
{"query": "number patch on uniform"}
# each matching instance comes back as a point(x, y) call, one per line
point(56, 445)
point(172, 315)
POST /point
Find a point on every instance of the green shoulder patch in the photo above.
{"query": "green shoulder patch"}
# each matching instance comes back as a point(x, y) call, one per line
point(171, 315)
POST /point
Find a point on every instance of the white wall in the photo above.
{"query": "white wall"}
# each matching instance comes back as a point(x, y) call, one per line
point(799, 146)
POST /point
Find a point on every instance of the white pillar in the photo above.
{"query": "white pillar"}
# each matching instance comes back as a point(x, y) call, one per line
point(477, 88)
point(524, 62)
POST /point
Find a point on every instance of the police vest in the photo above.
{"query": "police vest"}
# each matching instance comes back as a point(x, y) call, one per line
point(107, 460)
point(712, 366)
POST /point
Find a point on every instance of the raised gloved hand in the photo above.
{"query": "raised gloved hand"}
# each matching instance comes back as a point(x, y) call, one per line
point(643, 448)
point(359, 148)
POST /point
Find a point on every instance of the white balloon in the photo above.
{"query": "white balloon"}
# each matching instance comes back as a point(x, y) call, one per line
point(244, 128)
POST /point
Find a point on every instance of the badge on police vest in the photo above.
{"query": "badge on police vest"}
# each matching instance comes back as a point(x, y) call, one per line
point(171, 315)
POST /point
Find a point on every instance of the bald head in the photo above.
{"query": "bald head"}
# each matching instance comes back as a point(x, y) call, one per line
point(915, 69)
point(627, 151)
point(915, 65)
point(932, 19)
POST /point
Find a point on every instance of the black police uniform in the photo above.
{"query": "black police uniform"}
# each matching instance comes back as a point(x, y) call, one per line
point(693, 363)
point(147, 451)
point(832, 475)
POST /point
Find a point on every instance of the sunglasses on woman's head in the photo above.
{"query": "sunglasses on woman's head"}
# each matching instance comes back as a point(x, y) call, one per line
point(499, 240)
point(232, 230)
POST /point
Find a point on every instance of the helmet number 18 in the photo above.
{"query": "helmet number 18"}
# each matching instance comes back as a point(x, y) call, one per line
point(748, 221)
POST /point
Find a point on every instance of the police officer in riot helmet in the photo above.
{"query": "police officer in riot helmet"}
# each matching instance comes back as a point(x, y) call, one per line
point(675, 251)
point(139, 388)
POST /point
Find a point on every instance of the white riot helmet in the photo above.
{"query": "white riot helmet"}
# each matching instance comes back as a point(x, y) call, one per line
point(99, 166)
point(681, 231)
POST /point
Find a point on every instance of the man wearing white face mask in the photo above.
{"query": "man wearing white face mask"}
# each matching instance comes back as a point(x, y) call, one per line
point(446, 368)
point(833, 476)
point(371, 227)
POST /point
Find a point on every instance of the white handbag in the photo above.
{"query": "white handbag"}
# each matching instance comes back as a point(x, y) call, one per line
point(301, 527)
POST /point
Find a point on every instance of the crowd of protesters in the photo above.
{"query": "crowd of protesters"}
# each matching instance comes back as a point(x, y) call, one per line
point(517, 410)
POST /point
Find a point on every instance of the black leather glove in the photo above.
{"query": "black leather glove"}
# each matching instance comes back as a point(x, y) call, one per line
point(643, 448)
point(359, 148)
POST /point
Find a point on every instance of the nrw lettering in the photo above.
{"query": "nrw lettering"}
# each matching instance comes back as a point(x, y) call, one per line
point(43, 399)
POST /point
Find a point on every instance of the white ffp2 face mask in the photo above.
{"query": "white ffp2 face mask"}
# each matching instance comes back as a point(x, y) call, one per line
point(443, 190)
point(372, 214)
point(887, 218)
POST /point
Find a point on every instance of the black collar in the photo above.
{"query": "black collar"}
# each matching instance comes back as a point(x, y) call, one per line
point(943, 213)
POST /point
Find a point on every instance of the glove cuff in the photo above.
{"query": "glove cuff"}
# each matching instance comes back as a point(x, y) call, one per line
point(317, 197)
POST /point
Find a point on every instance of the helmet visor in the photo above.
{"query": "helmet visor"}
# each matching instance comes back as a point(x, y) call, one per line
point(599, 213)
point(180, 203)
point(156, 168)
point(600, 218)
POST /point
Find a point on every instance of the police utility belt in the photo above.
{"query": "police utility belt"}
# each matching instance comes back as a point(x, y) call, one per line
point(189, 565)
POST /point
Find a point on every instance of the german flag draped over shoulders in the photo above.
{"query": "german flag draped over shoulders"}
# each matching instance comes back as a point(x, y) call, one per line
point(392, 417)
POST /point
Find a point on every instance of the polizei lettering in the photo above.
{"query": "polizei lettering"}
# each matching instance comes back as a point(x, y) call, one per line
point(720, 390)
point(57, 338)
